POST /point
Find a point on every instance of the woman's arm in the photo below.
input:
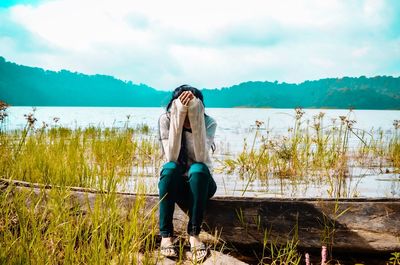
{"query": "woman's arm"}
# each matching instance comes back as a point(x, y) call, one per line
point(171, 129)
point(197, 123)
point(177, 119)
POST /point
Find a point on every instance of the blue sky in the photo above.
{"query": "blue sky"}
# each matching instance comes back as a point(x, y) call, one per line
point(204, 43)
point(9, 3)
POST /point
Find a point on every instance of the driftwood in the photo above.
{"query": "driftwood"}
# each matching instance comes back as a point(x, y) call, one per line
point(348, 225)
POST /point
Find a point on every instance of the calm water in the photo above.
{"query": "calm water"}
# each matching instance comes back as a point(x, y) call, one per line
point(235, 125)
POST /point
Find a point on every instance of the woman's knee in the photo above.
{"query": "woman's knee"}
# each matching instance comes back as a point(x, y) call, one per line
point(199, 167)
point(169, 173)
point(199, 175)
point(169, 169)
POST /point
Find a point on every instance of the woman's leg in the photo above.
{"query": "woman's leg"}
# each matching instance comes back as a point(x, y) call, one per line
point(170, 185)
point(202, 187)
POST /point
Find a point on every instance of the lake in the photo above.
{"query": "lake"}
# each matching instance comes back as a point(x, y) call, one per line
point(235, 125)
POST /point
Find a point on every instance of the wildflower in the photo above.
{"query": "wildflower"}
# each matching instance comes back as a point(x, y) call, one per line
point(323, 255)
point(307, 259)
point(259, 123)
point(350, 123)
point(3, 108)
point(343, 119)
point(396, 124)
point(299, 113)
point(316, 122)
point(3, 115)
point(271, 143)
point(31, 119)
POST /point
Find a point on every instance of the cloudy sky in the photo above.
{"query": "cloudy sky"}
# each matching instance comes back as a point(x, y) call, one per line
point(205, 43)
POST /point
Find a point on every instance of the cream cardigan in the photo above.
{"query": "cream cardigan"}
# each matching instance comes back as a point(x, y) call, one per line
point(198, 142)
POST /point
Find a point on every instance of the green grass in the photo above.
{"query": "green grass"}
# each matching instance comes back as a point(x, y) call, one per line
point(315, 151)
point(49, 228)
point(91, 157)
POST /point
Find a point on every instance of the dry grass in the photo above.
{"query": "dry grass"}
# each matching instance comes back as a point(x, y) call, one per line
point(46, 228)
point(315, 152)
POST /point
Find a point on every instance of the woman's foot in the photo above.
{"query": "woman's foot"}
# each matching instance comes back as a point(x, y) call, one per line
point(198, 249)
point(167, 248)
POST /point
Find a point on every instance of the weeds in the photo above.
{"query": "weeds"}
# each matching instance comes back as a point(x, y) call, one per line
point(395, 258)
point(91, 157)
point(315, 152)
point(50, 228)
point(273, 253)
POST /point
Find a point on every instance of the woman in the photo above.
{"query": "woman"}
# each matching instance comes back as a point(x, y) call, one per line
point(187, 135)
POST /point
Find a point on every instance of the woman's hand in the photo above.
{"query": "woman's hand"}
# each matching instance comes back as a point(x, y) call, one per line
point(186, 97)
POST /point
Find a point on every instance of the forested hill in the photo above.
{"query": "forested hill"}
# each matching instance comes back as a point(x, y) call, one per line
point(380, 92)
point(28, 86)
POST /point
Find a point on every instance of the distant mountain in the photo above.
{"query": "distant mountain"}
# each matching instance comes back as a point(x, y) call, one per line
point(380, 92)
point(29, 86)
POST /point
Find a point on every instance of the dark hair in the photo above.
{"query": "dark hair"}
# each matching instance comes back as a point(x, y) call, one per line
point(179, 90)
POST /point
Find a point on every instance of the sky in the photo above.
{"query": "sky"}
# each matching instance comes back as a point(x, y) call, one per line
point(208, 44)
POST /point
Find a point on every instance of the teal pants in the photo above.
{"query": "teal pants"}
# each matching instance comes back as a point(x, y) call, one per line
point(189, 193)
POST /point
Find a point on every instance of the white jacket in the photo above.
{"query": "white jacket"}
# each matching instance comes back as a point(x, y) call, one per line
point(198, 142)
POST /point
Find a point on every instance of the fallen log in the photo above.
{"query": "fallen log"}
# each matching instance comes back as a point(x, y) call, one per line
point(362, 225)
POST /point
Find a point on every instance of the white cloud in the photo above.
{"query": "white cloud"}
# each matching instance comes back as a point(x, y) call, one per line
point(209, 43)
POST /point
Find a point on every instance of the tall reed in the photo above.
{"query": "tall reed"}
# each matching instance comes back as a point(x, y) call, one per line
point(91, 157)
point(314, 151)
point(50, 228)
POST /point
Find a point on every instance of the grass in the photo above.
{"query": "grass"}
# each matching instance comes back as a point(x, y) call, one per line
point(50, 228)
point(92, 157)
point(315, 152)
point(54, 226)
